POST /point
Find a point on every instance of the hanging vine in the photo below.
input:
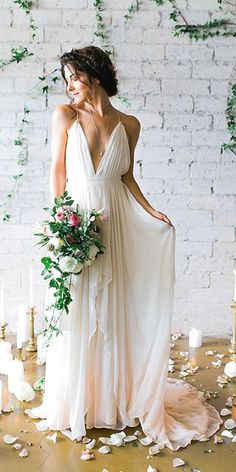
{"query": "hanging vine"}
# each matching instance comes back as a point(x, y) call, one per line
point(213, 28)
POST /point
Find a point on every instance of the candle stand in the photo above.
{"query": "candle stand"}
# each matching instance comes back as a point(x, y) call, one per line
point(32, 344)
point(3, 331)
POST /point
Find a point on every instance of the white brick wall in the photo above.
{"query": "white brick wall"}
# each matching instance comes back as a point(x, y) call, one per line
point(178, 91)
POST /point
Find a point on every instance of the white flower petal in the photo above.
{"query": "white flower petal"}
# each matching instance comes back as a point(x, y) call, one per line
point(154, 450)
point(227, 434)
point(177, 462)
point(146, 441)
point(24, 392)
point(52, 437)
point(17, 446)
point(230, 424)
point(86, 456)
point(104, 450)
point(130, 438)
point(8, 439)
point(24, 453)
point(41, 425)
point(91, 444)
point(151, 469)
point(217, 439)
point(225, 412)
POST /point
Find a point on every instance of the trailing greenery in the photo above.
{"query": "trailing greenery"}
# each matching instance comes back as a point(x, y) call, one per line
point(26, 6)
point(212, 28)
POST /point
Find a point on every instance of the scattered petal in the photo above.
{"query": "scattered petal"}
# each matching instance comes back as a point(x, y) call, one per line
point(86, 456)
point(171, 361)
point(41, 425)
point(146, 440)
point(104, 449)
point(207, 395)
point(154, 450)
point(229, 401)
point(209, 353)
point(17, 446)
point(151, 469)
point(24, 453)
point(227, 434)
point(222, 379)
point(217, 363)
point(91, 444)
point(234, 438)
point(184, 353)
point(31, 414)
point(176, 335)
point(130, 438)
point(8, 408)
point(116, 439)
point(177, 462)
point(217, 439)
point(220, 356)
point(52, 437)
point(8, 439)
point(85, 440)
point(230, 424)
point(138, 433)
point(225, 412)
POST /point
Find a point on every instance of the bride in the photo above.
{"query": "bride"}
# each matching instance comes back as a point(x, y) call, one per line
point(109, 368)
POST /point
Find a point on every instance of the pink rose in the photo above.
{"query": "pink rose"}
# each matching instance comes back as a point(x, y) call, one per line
point(74, 220)
point(59, 215)
point(103, 214)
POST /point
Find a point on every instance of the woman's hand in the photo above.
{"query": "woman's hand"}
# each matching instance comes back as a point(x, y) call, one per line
point(161, 216)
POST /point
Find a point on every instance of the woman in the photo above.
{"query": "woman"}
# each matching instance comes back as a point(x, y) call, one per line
point(109, 368)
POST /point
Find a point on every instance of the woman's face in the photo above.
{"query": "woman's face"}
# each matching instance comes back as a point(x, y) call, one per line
point(77, 84)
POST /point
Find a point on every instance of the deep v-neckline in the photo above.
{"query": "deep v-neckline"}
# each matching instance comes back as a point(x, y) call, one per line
point(88, 148)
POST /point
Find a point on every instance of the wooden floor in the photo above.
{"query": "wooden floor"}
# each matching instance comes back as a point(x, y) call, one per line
point(45, 456)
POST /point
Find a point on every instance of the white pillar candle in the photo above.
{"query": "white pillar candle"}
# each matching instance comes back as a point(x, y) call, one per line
point(5, 361)
point(5, 348)
point(24, 322)
point(31, 287)
point(234, 271)
point(15, 374)
point(0, 395)
point(195, 338)
point(18, 337)
point(2, 304)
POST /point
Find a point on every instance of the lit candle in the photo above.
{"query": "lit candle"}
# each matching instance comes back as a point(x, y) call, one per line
point(0, 395)
point(195, 338)
point(31, 287)
point(234, 271)
point(15, 374)
point(2, 304)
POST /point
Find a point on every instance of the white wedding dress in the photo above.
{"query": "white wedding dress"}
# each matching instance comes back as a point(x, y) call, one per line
point(109, 368)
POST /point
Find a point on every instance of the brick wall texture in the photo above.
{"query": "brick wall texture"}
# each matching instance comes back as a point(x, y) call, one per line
point(177, 88)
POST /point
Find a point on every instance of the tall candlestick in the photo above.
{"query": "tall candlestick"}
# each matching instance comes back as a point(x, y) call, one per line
point(19, 337)
point(31, 287)
point(234, 271)
point(2, 304)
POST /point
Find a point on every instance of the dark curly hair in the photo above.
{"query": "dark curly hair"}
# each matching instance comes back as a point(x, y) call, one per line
point(95, 63)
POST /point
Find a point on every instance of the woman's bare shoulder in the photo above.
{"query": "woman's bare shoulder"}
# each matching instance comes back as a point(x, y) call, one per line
point(63, 115)
point(132, 125)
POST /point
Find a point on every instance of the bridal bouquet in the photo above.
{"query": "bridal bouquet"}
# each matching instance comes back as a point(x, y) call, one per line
point(72, 238)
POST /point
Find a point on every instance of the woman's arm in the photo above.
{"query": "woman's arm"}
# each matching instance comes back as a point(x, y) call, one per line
point(58, 150)
point(129, 179)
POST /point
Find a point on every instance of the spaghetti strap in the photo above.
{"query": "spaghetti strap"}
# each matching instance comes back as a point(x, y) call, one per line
point(118, 115)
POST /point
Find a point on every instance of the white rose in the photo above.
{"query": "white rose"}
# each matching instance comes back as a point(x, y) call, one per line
point(24, 392)
point(57, 242)
point(70, 264)
point(93, 250)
